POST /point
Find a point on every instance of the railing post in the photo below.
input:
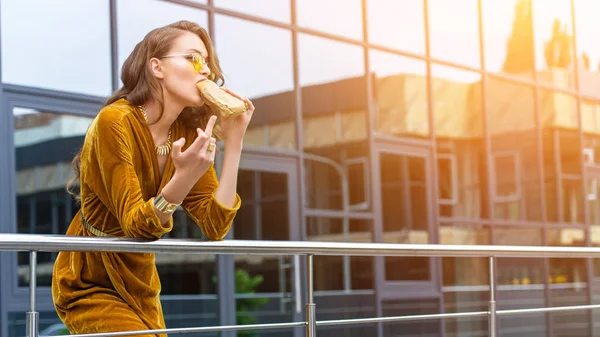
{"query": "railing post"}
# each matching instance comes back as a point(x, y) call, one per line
point(311, 321)
point(492, 304)
point(32, 314)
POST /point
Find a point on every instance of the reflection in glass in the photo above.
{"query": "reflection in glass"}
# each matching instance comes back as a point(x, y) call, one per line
point(520, 280)
point(341, 272)
point(50, 324)
point(340, 17)
point(590, 115)
point(270, 9)
point(461, 161)
point(515, 236)
point(334, 110)
point(568, 280)
point(519, 271)
point(400, 94)
point(553, 31)
point(404, 199)
point(407, 307)
point(508, 37)
point(324, 61)
point(452, 39)
point(571, 271)
point(397, 24)
point(465, 279)
point(187, 274)
point(337, 182)
point(44, 146)
point(594, 204)
point(264, 215)
point(593, 199)
point(263, 75)
point(462, 301)
point(515, 151)
point(521, 286)
point(562, 149)
point(588, 48)
point(136, 18)
point(70, 53)
point(460, 271)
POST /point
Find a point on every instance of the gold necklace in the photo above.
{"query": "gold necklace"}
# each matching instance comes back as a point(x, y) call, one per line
point(164, 149)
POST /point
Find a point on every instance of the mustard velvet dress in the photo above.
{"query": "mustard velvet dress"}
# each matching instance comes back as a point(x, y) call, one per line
point(108, 292)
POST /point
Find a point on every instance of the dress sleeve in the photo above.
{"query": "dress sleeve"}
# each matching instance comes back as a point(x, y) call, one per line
point(213, 218)
point(117, 183)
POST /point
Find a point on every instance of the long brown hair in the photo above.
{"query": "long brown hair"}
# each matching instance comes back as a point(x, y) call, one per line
point(139, 84)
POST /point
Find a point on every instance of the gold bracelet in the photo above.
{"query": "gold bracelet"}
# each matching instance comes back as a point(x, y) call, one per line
point(164, 206)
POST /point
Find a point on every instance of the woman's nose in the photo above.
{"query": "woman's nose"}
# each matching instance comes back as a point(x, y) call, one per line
point(205, 71)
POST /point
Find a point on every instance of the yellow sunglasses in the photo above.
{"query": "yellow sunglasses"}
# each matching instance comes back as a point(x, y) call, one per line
point(196, 59)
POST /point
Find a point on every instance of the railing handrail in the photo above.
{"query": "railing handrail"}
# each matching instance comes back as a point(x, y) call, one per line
point(56, 243)
point(34, 243)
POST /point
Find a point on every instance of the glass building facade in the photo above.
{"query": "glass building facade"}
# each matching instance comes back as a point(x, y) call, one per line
point(422, 121)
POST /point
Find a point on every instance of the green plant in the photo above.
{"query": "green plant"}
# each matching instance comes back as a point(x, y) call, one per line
point(246, 284)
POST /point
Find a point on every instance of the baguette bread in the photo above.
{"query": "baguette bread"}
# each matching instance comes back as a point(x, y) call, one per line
point(219, 100)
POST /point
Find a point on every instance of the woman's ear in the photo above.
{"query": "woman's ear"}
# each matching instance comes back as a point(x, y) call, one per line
point(156, 68)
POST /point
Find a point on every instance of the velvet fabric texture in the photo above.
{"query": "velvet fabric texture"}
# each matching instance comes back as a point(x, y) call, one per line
point(120, 176)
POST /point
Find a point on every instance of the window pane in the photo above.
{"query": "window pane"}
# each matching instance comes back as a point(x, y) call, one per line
point(562, 169)
point(397, 24)
point(45, 143)
point(590, 114)
point(458, 117)
point(341, 272)
point(264, 215)
point(136, 18)
point(40, 50)
point(324, 61)
point(554, 42)
point(568, 283)
point(593, 198)
point(264, 75)
point(405, 213)
point(451, 39)
point(278, 10)
point(190, 311)
point(508, 37)
point(520, 280)
point(355, 305)
point(464, 271)
point(340, 17)
point(465, 279)
point(515, 151)
point(187, 274)
point(50, 324)
point(417, 306)
point(400, 94)
point(588, 48)
point(334, 111)
point(518, 273)
point(263, 282)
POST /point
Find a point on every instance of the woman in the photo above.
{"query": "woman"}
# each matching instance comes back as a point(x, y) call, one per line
point(132, 177)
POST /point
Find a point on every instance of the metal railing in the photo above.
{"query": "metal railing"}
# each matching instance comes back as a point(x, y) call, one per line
point(54, 243)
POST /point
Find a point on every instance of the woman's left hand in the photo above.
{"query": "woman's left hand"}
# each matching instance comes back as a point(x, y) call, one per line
point(234, 128)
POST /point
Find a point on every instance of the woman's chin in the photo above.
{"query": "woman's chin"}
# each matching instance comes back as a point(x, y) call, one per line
point(196, 103)
point(199, 102)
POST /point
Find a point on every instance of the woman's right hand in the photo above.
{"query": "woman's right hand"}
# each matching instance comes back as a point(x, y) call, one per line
point(192, 163)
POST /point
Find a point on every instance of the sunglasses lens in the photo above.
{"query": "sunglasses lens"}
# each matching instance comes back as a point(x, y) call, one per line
point(197, 61)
